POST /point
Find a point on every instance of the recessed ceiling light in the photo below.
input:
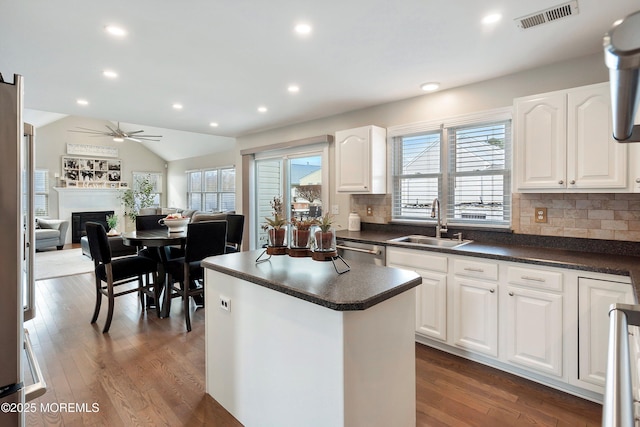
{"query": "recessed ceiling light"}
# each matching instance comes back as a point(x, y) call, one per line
point(262, 109)
point(302, 29)
point(213, 124)
point(82, 102)
point(293, 88)
point(115, 30)
point(110, 74)
point(491, 19)
point(430, 87)
point(177, 106)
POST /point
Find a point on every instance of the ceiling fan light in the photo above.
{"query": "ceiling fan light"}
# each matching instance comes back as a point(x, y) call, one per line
point(118, 139)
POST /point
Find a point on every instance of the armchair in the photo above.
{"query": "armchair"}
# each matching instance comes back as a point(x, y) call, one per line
point(51, 232)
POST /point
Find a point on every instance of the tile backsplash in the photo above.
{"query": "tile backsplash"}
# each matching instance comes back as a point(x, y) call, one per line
point(593, 215)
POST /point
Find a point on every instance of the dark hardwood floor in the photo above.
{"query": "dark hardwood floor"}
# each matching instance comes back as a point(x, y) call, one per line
point(149, 371)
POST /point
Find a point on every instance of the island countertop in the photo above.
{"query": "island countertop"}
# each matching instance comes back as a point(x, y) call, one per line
point(317, 281)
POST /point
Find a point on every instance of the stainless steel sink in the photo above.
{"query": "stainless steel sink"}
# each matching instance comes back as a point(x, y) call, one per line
point(435, 242)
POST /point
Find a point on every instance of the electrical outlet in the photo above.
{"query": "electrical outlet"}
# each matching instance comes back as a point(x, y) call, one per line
point(225, 303)
point(335, 210)
point(540, 215)
point(369, 211)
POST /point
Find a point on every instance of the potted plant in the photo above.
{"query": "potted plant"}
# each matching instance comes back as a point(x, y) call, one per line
point(276, 226)
point(112, 223)
point(134, 199)
point(325, 237)
point(301, 232)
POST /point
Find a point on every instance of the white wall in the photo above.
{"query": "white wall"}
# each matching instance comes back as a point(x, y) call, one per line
point(51, 146)
point(495, 93)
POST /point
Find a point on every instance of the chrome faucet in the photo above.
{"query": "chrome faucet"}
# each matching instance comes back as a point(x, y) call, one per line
point(435, 206)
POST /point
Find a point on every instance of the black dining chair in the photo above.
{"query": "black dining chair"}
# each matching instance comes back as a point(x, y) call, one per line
point(149, 222)
point(204, 239)
point(117, 272)
point(235, 230)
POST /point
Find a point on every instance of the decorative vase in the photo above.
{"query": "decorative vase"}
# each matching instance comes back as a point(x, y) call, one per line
point(277, 236)
point(325, 241)
point(113, 232)
point(300, 238)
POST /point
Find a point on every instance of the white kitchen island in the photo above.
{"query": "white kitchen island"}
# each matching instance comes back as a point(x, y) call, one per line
point(301, 345)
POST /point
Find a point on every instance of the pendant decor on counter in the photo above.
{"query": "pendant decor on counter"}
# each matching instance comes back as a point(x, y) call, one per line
point(276, 228)
point(301, 230)
point(324, 244)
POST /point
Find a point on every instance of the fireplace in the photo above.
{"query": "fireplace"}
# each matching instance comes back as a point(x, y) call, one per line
point(79, 219)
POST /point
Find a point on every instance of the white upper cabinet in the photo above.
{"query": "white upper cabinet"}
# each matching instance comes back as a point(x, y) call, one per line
point(361, 160)
point(563, 143)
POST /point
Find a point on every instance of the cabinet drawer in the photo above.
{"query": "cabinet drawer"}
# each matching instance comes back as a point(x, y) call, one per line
point(416, 259)
point(535, 278)
point(478, 269)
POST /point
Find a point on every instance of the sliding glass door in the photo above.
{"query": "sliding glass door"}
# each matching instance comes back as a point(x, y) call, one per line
point(297, 179)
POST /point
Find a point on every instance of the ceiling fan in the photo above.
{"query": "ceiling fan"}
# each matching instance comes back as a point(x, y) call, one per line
point(119, 135)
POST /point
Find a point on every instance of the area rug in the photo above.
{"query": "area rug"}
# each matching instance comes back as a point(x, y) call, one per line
point(67, 262)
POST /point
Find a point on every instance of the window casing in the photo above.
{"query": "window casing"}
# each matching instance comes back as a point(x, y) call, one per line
point(212, 190)
point(465, 162)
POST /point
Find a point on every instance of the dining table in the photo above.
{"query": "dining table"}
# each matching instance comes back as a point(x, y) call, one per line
point(157, 239)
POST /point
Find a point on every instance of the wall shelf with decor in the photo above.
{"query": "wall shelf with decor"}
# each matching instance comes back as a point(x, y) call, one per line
point(90, 172)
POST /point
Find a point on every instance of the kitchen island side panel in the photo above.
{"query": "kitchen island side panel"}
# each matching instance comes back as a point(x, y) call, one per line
point(274, 359)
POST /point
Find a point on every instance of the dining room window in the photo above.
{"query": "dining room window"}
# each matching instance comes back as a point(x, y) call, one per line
point(155, 180)
point(212, 190)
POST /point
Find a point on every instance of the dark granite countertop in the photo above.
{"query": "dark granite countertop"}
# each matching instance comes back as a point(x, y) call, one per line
point(317, 281)
point(624, 265)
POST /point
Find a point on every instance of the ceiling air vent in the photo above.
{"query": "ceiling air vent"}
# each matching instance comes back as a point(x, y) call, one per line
point(548, 15)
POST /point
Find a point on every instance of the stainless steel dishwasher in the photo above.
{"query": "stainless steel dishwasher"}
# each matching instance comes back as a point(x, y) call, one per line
point(362, 252)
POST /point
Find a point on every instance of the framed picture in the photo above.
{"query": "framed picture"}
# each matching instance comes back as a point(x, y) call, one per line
point(87, 172)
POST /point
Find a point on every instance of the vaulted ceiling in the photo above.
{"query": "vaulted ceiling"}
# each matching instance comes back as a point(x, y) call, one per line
point(222, 60)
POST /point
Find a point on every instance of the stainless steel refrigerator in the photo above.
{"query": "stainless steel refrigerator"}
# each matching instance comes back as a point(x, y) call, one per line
point(17, 222)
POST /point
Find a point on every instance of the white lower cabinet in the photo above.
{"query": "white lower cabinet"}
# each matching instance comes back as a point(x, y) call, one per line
point(594, 299)
point(533, 329)
point(431, 295)
point(475, 315)
point(544, 323)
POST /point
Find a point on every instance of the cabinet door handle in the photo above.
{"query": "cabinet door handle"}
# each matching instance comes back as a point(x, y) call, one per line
point(533, 279)
point(510, 294)
point(561, 182)
point(492, 290)
point(479, 270)
point(573, 181)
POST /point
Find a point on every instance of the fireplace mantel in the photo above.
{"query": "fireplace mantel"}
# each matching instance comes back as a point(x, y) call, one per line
point(86, 200)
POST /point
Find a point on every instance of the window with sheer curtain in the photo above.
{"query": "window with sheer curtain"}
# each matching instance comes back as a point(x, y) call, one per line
point(464, 162)
point(212, 190)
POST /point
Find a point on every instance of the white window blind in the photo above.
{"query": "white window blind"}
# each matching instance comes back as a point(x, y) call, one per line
point(212, 190)
point(464, 162)
point(155, 178)
point(480, 174)
point(418, 178)
point(41, 192)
